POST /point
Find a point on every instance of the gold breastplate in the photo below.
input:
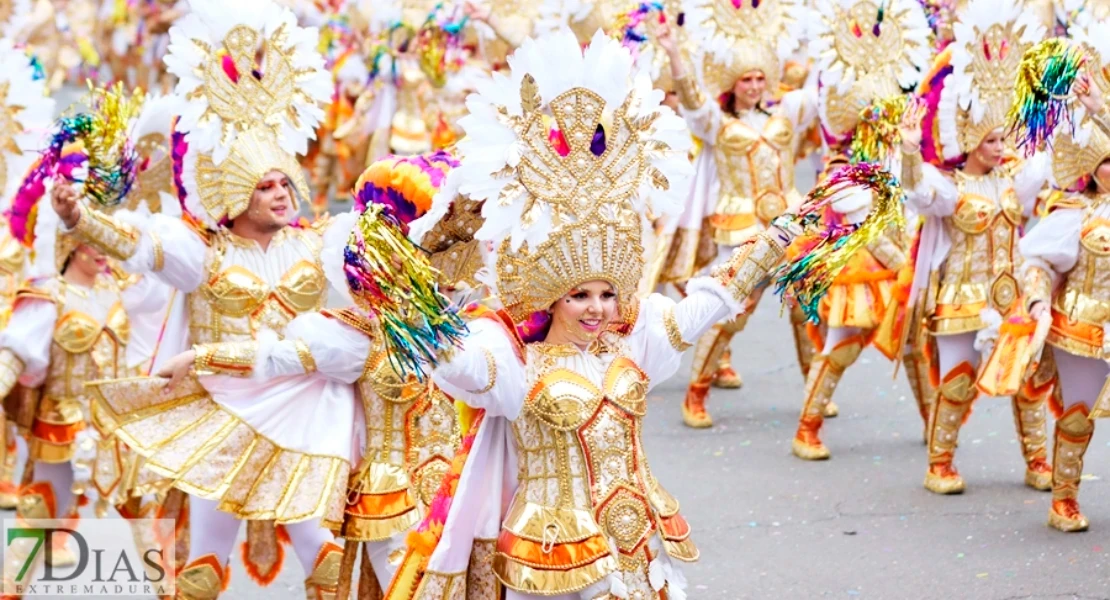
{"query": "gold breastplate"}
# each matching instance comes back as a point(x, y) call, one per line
point(240, 303)
point(11, 257)
point(755, 168)
point(1085, 296)
point(975, 214)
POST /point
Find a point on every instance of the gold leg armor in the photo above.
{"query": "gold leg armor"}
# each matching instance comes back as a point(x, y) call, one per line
point(1073, 434)
point(9, 492)
point(707, 355)
point(824, 374)
point(202, 579)
point(954, 398)
point(1029, 417)
point(803, 345)
point(323, 582)
point(726, 377)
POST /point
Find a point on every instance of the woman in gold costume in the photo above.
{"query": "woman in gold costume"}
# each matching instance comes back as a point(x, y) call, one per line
point(746, 171)
point(1064, 277)
point(866, 52)
point(974, 217)
point(562, 371)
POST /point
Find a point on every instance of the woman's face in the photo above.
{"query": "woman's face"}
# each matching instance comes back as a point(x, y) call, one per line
point(87, 261)
point(990, 150)
point(749, 89)
point(272, 205)
point(584, 313)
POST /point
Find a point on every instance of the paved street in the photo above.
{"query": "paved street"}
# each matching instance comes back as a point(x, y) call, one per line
point(860, 525)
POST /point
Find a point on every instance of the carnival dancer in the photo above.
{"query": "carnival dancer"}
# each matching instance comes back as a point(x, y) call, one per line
point(974, 221)
point(866, 54)
point(408, 428)
point(242, 269)
point(746, 172)
point(27, 115)
point(1064, 257)
point(565, 401)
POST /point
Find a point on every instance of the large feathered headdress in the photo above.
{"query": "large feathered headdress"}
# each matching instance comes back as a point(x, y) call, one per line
point(568, 153)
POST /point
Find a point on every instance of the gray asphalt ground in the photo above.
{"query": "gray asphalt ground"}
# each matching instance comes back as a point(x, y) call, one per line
point(771, 526)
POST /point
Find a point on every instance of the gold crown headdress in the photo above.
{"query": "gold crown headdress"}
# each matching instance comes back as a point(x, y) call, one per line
point(564, 153)
point(1079, 154)
point(252, 82)
point(25, 114)
point(153, 139)
point(755, 36)
point(990, 38)
point(865, 50)
point(582, 17)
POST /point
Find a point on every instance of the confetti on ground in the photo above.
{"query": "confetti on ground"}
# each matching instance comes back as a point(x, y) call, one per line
point(746, 443)
point(981, 575)
point(1089, 477)
point(960, 555)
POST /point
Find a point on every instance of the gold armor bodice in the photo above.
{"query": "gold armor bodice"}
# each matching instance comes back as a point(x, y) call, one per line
point(979, 270)
point(755, 165)
point(411, 431)
point(583, 476)
point(234, 303)
point(86, 347)
point(1081, 307)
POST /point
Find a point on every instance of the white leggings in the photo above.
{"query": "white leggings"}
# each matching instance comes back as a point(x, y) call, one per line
point(213, 531)
point(1081, 378)
point(955, 349)
point(60, 477)
point(836, 335)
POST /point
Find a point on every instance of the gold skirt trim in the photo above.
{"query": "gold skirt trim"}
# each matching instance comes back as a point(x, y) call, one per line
point(856, 304)
point(207, 451)
point(544, 582)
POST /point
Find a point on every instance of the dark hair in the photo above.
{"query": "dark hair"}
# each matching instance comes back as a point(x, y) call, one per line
point(727, 101)
point(1091, 186)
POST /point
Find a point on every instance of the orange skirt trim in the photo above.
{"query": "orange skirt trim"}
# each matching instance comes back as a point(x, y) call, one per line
point(561, 556)
point(381, 506)
point(1077, 337)
point(732, 222)
point(675, 528)
point(56, 434)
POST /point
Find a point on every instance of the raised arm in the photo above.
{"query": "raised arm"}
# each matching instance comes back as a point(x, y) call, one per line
point(25, 342)
point(163, 246)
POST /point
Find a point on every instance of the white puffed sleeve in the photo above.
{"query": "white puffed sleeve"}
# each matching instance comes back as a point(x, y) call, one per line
point(486, 372)
point(1053, 244)
point(664, 330)
point(1030, 180)
point(182, 250)
point(339, 352)
point(704, 121)
point(146, 295)
point(800, 108)
point(935, 195)
point(28, 336)
point(853, 203)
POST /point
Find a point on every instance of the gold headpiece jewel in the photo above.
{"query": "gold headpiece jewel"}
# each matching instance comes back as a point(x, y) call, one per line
point(252, 82)
point(569, 154)
point(866, 50)
point(757, 35)
point(990, 38)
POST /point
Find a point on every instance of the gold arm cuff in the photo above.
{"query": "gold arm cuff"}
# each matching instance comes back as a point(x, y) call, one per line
point(912, 172)
point(228, 358)
point(305, 355)
point(673, 332)
point(159, 255)
point(888, 252)
point(117, 240)
point(491, 370)
point(10, 369)
point(1037, 285)
point(689, 94)
point(751, 262)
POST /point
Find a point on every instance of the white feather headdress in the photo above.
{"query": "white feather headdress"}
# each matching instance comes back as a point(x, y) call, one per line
point(26, 115)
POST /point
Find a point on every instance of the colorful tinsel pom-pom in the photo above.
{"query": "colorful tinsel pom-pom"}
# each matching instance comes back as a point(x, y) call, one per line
point(391, 279)
point(826, 245)
point(877, 133)
point(1044, 81)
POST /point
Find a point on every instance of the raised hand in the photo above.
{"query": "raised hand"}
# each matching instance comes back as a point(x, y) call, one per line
point(1086, 90)
point(64, 200)
point(909, 130)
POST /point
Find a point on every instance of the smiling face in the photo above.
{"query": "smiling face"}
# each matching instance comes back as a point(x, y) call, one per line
point(583, 314)
point(1102, 177)
point(87, 261)
point(272, 203)
point(749, 89)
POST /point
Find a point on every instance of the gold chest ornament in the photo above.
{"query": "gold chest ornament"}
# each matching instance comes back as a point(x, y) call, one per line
point(754, 166)
point(998, 227)
point(1086, 294)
